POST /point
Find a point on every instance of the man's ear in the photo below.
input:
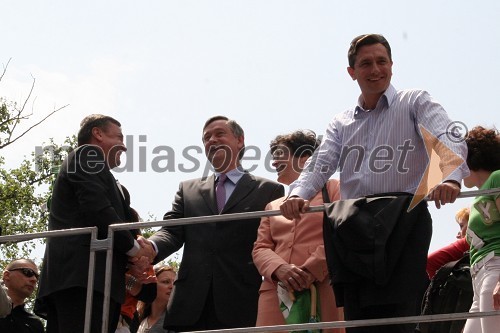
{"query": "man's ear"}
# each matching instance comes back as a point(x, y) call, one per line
point(351, 72)
point(304, 158)
point(6, 275)
point(97, 134)
point(241, 141)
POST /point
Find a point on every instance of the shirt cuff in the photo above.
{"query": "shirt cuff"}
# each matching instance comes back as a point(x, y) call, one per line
point(133, 251)
point(155, 247)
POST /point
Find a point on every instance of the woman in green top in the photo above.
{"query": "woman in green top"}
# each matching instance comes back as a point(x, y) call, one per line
point(483, 233)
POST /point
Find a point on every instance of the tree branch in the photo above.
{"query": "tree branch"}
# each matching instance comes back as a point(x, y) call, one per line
point(19, 115)
point(5, 69)
point(31, 127)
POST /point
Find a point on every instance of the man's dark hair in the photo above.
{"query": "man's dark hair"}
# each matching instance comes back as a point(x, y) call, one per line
point(91, 121)
point(483, 146)
point(233, 125)
point(301, 143)
point(367, 39)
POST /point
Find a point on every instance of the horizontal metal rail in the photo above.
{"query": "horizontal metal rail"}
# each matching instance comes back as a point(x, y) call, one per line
point(476, 193)
point(46, 234)
point(360, 323)
point(212, 219)
point(107, 245)
point(94, 246)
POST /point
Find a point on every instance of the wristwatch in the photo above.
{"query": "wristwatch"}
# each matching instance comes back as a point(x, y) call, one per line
point(130, 283)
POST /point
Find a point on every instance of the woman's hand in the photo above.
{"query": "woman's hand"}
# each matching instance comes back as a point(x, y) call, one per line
point(293, 277)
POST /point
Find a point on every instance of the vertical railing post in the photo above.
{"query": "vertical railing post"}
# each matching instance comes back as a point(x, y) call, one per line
point(107, 280)
point(90, 282)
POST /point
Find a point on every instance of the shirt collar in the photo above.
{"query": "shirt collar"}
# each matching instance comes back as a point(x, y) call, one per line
point(233, 175)
point(387, 98)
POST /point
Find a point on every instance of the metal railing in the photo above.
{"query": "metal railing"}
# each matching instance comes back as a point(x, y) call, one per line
point(95, 245)
point(107, 245)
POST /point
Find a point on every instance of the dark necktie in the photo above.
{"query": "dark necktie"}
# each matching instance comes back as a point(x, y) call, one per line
point(220, 191)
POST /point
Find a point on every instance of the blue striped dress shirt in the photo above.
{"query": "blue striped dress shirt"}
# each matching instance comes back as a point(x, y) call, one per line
point(380, 150)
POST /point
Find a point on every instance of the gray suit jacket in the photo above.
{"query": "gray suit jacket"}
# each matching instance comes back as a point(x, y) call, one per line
point(217, 256)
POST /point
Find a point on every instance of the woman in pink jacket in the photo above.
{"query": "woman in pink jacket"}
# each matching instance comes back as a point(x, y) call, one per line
point(292, 252)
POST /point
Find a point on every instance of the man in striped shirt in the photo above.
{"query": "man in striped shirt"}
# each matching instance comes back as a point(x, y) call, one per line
point(378, 147)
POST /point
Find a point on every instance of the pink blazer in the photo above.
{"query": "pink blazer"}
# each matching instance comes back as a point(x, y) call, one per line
point(300, 242)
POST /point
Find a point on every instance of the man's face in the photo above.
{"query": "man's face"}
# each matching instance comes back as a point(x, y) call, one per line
point(222, 146)
point(18, 283)
point(372, 69)
point(111, 141)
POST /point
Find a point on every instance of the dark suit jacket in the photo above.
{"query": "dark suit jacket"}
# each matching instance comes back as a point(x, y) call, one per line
point(216, 255)
point(85, 194)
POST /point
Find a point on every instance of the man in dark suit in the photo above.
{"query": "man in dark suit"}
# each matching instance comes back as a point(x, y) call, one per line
point(86, 194)
point(217, 284)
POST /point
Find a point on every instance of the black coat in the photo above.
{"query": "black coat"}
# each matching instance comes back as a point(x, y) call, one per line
point(85, 194)
point(21, 321)
point(378, 247)
point(216, 255)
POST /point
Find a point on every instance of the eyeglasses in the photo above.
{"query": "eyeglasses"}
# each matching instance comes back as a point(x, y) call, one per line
point(28, 272)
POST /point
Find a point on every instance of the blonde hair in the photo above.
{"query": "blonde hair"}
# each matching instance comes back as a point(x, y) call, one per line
point(462, 214)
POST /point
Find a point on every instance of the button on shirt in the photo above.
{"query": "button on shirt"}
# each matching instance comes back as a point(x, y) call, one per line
point(381, 150)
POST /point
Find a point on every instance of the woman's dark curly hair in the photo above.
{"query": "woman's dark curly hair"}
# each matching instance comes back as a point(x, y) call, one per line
point(483, 149)
point(301, 143)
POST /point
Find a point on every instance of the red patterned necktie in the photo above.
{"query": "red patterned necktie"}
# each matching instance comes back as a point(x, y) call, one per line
point(220, 191)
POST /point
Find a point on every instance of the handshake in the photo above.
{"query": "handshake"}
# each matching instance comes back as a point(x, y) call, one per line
point(141, 261)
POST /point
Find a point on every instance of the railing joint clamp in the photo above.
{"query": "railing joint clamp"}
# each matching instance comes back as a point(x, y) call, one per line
point(101, 244)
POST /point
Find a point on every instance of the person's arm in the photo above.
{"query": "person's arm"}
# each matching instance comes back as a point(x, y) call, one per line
point(5, 302)
point(264, 257)
point(443, 134)
point(140, 288)
point(92, 182)
point(451, 252)
point(317, 170)
point(316, 263)
point(272, 266)
point(320, 166)
point(169, 239)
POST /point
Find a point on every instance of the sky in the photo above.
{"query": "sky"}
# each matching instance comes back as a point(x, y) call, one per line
point(163, 67)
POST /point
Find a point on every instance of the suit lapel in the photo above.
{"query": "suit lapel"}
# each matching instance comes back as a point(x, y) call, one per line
point(207, 190)
point(245, 185)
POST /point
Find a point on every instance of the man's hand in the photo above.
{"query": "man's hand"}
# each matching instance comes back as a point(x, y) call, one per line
point(138, 267)
point(293, 207)
point(147, 249)
point(139, 263)
point(444, 193)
